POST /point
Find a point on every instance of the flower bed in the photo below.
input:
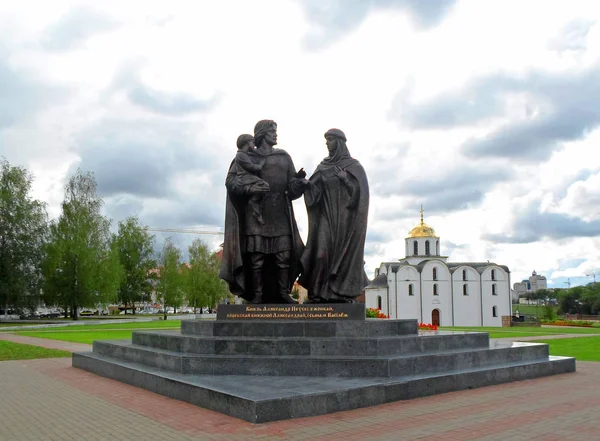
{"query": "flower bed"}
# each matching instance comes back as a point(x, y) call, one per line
point(579, 323)
point(427, 327)
point(376, 313)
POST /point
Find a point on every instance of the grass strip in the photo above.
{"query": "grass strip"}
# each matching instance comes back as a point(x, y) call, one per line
point(18, 351)
point(583, 349)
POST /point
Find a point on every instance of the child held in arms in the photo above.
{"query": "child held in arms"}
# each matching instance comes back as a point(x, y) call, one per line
point(247, 172)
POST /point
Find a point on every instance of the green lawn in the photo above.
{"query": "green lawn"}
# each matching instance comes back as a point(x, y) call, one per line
point(522, 331)
point(529, 310)
point(583, 348)
point(18, 351)
point(158, 324)
point(82, 336)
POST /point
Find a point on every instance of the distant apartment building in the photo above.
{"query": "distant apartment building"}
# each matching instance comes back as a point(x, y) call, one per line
point(527, 286)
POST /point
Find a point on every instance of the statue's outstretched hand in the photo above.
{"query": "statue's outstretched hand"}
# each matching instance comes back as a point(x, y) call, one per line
point(301, 173)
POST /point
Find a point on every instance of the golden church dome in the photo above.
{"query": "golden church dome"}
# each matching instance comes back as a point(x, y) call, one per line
point(422, 230)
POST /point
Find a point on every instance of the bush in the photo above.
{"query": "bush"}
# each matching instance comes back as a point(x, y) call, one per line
point(375, 313)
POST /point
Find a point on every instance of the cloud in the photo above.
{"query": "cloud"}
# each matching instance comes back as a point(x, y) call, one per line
point(572, 37)
point(75, 27)
point(533, 226)
point(552, 108)
point(22, 95)
point(452, 189)
point(143, 157)
point(158, 101)
point(332, 19)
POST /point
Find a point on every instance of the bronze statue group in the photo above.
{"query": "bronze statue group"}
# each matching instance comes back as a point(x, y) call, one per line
point(263, 253)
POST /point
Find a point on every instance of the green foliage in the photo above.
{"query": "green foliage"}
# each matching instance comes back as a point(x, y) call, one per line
point(580, 300)
point(82, 267)
point(19, 351)
point(23, 233)
point(202, 284)
point(170, 286)
point(549, 312)
point(135, 248)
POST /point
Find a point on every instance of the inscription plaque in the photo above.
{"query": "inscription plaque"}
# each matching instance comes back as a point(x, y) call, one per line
point(324, 311)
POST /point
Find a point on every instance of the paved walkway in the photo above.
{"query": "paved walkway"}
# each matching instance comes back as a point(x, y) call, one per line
point(50, 400)
point(47, 399)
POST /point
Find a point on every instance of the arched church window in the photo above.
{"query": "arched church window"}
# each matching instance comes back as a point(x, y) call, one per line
point(464, 274)
point(410, 290)
point(415, 248)
point(493, 274)
point(437, 247)
point(494, 290)
point(494, 311)
point(465, 289)
point(378, 302)
point(435, 274)
point(427, 250)
point(435, 289)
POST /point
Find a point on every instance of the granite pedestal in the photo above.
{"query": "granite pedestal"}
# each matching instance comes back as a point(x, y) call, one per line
point(271, 370)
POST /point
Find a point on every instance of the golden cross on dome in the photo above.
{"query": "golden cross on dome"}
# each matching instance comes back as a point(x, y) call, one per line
point(422, 211)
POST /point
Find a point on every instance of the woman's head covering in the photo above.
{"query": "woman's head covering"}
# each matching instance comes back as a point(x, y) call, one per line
point(261, 128)
point(341, 152)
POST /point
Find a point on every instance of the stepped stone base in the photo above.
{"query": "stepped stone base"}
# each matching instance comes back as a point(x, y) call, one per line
point(262, 371)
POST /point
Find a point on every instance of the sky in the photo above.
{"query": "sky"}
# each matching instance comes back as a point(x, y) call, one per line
point(485, 112)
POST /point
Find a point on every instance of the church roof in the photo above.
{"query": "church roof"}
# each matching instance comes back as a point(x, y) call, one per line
point(422, 230)
point(378, 282)
point(479, 266)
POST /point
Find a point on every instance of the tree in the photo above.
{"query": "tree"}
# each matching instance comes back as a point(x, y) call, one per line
point(82, 266)
point(202, 283)
point(23, 233)
point(135, 247)
point(170, 281)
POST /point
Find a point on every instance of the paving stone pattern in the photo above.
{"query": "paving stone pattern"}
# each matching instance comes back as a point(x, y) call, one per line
point(49, 400)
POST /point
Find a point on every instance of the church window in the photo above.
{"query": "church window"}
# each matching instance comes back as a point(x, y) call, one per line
point(437, 247)
point(465, 289)
point(415, 248)
point(493, 274)
point(378, 302)
point(427, 250)
point(494, 290)
point(435, 289)
point(410, 290)
point(435, 274)
point(494, 311)
point(464, 274)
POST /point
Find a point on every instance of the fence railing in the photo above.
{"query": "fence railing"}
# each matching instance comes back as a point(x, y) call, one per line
point(582, 317)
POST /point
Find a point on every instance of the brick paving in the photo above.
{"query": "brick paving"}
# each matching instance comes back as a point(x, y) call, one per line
point(47, 399)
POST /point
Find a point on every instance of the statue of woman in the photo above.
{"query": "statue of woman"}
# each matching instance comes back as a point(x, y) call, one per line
point(337, 201)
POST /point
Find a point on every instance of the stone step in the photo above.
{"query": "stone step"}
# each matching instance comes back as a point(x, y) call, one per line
point(296, 328)
point(321, 365)
point(369, 346)
point(263, 399)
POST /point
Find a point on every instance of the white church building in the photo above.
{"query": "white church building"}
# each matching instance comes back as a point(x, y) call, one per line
point(423, 285)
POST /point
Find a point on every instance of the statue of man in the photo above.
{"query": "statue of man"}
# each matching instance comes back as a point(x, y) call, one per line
point(261, 259)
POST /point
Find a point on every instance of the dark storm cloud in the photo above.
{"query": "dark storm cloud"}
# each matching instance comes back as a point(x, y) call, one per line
point(533, 226)
point(75, 27)
point(332, 19)
point(560, 107)
point(142, 157)
point(459, 188)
